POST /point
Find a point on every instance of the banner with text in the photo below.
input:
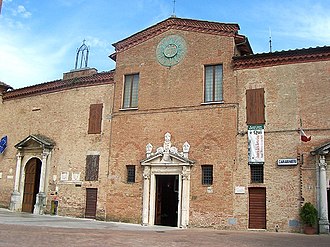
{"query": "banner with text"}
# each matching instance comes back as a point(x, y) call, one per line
point(256, 144)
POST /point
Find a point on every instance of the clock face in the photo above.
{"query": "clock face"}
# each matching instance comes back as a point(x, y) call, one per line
point(171, 50)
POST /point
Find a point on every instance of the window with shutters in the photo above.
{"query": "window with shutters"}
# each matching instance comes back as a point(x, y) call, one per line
point(130, 174)
point(131, 88)
point(207, 174)
point(257, 173)
point(255, 106)
point(92, 168)
point(95, 119)
point(213, 83)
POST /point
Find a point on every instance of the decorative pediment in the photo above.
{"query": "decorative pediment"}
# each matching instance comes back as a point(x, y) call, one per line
point(322, 150)
point(167, 154)
point(216, 28)
point(35, 142)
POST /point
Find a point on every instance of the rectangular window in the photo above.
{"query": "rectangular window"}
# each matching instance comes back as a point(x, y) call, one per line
point(95, 119)
point(207, 174)
point(257, 173)
point(255, 106)
point(130, 174)
point(131, 88)
point(92, 167)
point(213, 83)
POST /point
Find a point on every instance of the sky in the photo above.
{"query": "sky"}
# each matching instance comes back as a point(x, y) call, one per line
point(39, 38)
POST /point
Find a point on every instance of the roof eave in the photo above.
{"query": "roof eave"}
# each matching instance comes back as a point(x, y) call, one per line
point(228, 29)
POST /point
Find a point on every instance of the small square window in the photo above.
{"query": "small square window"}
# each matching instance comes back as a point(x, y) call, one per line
point(207, 174)
point(257, 173)
point(130, 174)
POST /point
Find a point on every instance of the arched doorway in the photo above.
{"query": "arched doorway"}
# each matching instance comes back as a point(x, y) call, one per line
point(31, 184)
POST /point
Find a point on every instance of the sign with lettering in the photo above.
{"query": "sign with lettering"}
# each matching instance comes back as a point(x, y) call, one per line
point(256, 144)
point(287, 162)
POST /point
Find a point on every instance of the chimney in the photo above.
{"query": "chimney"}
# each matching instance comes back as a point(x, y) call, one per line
point(76, 73)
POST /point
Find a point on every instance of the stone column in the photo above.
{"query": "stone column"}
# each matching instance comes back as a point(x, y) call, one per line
point(323, 214)
point(152, 200)
point(185, 196)
point(146, 189)
point(41, 196)
point(15, 200)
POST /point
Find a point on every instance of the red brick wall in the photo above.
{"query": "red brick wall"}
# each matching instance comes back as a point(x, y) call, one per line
point(170, 100)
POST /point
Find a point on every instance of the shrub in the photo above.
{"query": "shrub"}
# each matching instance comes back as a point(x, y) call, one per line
point(308, 214)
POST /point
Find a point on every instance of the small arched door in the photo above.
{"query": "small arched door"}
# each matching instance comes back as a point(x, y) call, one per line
point(31, 184)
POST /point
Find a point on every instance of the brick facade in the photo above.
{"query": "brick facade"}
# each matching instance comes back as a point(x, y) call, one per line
point(171, 100)
point(61, 115)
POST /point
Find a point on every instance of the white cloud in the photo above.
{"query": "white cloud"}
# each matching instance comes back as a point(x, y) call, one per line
point(21, 11)
point(24, 62)
point(307, 21)
point(97, 42)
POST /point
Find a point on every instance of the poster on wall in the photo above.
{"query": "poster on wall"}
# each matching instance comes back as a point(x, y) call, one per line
point(256, 144)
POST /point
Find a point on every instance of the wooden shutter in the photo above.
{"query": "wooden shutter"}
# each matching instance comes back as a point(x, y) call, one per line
point(95, 119)
point(257, 208)
point(255, 106)
point(92, 167)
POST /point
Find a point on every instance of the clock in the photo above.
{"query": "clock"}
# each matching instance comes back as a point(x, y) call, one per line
point(171, 50)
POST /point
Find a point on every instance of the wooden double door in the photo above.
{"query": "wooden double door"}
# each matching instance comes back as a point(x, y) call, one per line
point(31, 184)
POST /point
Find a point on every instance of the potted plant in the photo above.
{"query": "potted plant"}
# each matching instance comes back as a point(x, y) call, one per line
point(308, 215)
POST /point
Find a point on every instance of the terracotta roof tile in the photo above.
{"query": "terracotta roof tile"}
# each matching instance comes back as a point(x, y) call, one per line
point(282, 57)
point(178, 24)
point(59, 85)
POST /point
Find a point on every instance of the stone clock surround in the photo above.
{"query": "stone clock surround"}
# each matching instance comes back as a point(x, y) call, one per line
point(171, 50)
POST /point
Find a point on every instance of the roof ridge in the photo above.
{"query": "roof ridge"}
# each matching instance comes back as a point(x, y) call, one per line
point(228, 29)
point(282, 57)
point(60, 84)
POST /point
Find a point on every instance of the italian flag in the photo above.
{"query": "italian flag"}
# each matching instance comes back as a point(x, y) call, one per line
point(304, 137)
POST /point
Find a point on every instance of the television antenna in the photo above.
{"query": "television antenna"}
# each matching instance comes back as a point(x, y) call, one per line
point(173, 14)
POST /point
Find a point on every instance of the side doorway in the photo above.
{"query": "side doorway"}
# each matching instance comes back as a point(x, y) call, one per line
point(167, 200)
point(257, 208)
point(91, 202)
point(31, 184)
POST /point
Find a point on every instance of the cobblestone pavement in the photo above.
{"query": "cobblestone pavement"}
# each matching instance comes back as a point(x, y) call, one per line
point(20, 229)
